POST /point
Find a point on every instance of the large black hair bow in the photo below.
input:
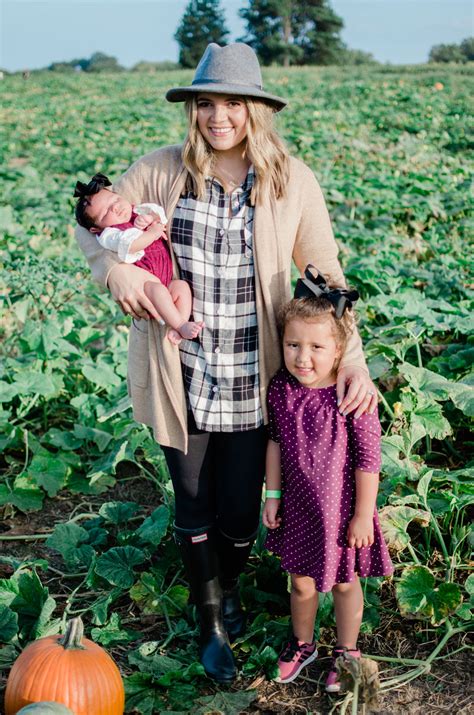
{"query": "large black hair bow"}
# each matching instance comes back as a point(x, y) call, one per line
point(96, 184)
point(315, 286)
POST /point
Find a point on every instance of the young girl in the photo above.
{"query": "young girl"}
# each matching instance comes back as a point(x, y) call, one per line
point(322, 478)
point(135, 233)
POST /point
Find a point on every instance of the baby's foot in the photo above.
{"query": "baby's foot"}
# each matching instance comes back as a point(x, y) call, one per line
point(174, 337)
point(189, 330)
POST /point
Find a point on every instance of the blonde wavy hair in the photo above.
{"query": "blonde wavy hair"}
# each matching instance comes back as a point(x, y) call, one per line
point(264, 149)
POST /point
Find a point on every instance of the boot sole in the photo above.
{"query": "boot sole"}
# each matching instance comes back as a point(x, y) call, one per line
point(222, 681)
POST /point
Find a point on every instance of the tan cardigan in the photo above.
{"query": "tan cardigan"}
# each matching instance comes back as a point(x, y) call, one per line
point(296, 227)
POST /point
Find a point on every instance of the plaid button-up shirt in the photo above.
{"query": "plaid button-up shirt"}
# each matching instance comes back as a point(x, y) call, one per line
point(213, 245)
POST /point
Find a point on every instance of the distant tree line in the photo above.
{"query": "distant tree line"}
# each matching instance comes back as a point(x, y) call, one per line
point(100, 62)
point(282, 32)
point(464, 52)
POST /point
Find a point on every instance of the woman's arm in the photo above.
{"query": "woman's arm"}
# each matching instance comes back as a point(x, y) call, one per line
point(315, 244)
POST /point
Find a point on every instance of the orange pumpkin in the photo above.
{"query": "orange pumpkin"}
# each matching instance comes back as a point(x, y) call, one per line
point(71, 670)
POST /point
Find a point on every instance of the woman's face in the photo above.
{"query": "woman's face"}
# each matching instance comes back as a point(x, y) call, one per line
point(222, 120)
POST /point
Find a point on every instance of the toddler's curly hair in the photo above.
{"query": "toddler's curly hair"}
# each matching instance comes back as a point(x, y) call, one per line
point(317, 310)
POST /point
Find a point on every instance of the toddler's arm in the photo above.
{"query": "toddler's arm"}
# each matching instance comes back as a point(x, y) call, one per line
point(270, 516)
point(364, 434)
point(361, 527)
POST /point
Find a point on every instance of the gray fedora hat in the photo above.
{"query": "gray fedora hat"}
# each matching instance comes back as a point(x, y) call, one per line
point(233, 69)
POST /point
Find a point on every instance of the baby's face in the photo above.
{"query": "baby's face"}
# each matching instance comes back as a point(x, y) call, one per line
point(108, 209)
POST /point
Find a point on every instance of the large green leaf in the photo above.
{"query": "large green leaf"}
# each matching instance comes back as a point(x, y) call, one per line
point(69, 539)
point(8, 624)
point(113, 633)
point(48, 471)
point(154, 527)
point(151, 596)
point(418, 594)
point(118, 512)
point(117, 565)
point(430, 384)
point(394, 521)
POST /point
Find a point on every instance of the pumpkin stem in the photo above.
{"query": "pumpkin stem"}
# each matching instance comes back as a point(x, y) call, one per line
point(73, 636)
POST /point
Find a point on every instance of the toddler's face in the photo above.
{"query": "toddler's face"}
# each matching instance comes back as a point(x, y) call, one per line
point(108, 209)
point(311, 352)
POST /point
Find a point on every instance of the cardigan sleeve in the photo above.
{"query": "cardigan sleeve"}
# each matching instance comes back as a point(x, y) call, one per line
point(315, 244)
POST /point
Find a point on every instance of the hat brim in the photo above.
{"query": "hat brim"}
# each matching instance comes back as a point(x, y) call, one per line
point(181, 94)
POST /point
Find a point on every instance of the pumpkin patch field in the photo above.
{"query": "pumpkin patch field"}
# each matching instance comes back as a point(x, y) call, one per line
point(85, 499)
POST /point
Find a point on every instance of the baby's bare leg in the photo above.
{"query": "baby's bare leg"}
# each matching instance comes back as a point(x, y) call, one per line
point(181, 294)
point(174, 307)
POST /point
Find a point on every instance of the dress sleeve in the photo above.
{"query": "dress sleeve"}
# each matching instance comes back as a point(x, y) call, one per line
point(364, 434)
point(315, 244)
point(273, 430)
point(120, 240)
point(152, 208)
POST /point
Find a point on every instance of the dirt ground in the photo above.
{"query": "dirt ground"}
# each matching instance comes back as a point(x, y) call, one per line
point(447, 688)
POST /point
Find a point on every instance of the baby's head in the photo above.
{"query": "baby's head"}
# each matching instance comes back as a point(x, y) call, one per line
point(98, 208)
point(314, 339)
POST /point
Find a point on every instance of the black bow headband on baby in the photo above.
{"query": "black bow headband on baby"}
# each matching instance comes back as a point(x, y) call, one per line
point(314, 286)
point(96, 184)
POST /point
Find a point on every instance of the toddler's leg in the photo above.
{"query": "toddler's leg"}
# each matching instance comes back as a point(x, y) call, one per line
point(304, 605)
point(300, 650)
point(165, 305)
point(348, 609)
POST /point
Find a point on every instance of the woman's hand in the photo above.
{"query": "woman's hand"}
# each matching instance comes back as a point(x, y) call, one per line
point(360, 531)
point(355, 391)
point(270, 516)
point(126, 284)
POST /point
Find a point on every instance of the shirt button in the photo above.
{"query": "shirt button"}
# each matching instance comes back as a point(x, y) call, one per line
point(221, 232)
point(248, 252)
point(215, 388)
point(217, 350)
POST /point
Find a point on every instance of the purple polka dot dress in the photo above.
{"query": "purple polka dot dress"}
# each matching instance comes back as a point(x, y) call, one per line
point(320, 451)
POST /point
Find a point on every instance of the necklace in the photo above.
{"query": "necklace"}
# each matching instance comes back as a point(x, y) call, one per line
point(229, 178)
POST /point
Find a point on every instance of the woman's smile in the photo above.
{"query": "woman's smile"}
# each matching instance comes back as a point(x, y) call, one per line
point(222, 120)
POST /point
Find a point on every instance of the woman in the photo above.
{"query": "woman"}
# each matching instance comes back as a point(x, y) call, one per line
point(239, 210)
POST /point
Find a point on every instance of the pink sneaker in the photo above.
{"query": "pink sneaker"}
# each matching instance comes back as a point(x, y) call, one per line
point(332, 681)
point(293, 658)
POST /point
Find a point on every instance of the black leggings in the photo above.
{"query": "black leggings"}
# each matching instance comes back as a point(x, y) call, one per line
point(219, 481)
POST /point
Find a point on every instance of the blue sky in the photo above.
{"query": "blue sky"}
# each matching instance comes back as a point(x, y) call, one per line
point(35, 33)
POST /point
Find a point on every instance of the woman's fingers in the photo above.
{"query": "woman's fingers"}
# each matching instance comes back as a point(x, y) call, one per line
point(363, 406)
point(373, 402)
point(139, 307)
point(361, 394)
point(355, 394)
point(127, 309)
